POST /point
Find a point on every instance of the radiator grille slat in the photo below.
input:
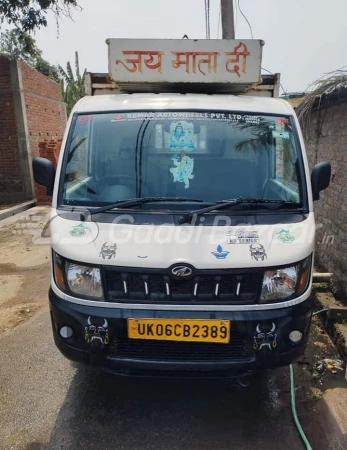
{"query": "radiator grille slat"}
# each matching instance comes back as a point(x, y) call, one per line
point(137, 285)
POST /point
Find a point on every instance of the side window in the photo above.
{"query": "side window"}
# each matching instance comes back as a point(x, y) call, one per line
point(77, 166)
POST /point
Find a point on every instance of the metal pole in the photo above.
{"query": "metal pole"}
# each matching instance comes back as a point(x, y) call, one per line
point(227, 9)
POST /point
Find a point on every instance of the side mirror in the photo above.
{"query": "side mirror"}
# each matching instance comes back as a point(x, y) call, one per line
point(320, 178)
point(44, 173)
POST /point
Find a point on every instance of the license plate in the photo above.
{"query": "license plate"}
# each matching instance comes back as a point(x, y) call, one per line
point(194, 330)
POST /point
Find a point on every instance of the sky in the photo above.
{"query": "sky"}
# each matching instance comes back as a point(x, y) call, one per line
point(304, 39)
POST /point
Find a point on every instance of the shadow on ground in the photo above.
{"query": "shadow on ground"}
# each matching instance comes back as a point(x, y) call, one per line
point(102, 411)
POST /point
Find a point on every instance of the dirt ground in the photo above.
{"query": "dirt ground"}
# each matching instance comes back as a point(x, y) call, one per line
point(24, 267)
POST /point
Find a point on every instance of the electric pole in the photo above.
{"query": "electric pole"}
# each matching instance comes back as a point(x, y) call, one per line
point(227, 12)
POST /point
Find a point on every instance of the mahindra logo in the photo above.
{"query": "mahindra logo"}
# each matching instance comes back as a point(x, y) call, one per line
point(181, 271)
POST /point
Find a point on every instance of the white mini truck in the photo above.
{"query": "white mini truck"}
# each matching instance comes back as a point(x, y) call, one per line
point(182, 226)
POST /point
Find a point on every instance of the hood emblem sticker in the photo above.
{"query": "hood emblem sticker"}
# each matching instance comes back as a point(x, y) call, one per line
point(285, 236)
point(96, 332)
point(265, 337)
point(220, 253)
point(258, 252)
point(78, 230)
point(242, 237)
point(108, 251)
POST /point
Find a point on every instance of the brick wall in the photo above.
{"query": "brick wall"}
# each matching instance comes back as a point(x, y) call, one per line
point(11, 187)
point(50, 150)
point(32, 123)
point(46, 118)
point(326, 140)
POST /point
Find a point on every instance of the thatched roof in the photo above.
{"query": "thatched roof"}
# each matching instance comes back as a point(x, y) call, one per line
point(328, 90)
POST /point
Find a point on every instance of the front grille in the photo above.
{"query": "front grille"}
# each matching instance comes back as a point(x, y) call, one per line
point(239, 348)
point(223, 287)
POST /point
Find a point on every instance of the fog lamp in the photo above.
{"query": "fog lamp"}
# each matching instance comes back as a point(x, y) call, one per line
point(66, 332)
point(295, 336)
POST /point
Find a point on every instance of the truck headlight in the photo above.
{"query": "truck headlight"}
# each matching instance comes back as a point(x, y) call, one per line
point(77, 278)
point(84, 280)
point(286, 282)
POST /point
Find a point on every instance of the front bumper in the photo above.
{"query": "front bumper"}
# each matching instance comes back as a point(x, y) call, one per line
point(259, 340)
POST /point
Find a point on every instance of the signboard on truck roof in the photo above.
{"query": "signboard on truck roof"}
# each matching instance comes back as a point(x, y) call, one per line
point(237, 62)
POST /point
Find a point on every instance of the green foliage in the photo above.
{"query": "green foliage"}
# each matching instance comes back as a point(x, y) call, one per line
point(29, 15)
point(47, 69)
point(19, 45)
point(261, 139)
point(260, 135)
point(73, 85)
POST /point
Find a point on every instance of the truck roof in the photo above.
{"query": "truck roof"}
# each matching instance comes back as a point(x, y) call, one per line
point(150, 102)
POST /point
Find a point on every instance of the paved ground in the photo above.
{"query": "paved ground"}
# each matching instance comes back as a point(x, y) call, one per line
point(48, 403)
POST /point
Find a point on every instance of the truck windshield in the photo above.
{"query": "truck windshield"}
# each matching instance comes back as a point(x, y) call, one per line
point(205, 155)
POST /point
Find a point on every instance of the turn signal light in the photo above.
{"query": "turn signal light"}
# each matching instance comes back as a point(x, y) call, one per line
point(304, 276)
point(59, 272)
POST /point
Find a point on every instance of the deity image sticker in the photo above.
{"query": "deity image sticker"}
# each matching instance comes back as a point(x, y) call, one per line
point(242, 237)
point(182, 136)
point(78, 230)
point(285, 236)
point(183, 170)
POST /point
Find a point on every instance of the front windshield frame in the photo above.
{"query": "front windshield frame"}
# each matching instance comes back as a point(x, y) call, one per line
point(301, 172)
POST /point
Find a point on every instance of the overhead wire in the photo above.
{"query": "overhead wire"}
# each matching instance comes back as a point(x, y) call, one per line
point(236, 19)
point(219, 19)
point(250, 27)
point(207, 19)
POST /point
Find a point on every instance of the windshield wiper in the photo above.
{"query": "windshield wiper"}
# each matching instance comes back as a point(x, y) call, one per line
point(221, 204)
point(139, 201)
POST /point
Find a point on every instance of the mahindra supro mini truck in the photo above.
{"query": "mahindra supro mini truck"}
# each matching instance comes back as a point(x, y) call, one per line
point(182, 228)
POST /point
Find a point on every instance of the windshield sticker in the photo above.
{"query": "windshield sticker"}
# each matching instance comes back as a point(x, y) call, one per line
point(280, 134)
point(188, 115)
point(183, 170)
point(258, 252)
point(282, 120)
point(181, 136)
point(242, 237)
point(118, 118)
point(220, 253)
point(285, 236)
point(85, 119)
point(78, 230)
point(265, 337)
point(108, 251)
